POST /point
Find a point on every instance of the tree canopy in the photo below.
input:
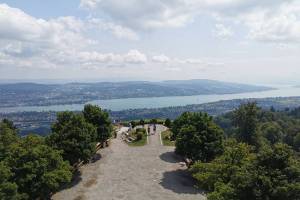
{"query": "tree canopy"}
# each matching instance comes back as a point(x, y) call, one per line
point(29, 169)
point(100, 119)
point(197, 137)
point(259, 159)
point(240, 174)
point(245, 118)
point(72, 134)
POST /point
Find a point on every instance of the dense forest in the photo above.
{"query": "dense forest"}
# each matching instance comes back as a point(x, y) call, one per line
point(251, 154)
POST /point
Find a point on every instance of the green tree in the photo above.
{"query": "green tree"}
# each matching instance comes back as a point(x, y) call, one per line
point(168, 123)
point(8, 136)
point(8, 189)
point(142, 122)
point(246, 120)
point(272, 132)
point(133, 124)
point(74, 136)
point(100, 119)
point(220, 176)
point(38, 170)
point(240, 174)
point(296, 144)
point(10, 124)
point(277, 173)
point(153, 121)
point(199, 138)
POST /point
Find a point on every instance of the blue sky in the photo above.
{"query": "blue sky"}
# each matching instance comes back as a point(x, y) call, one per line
point(249, 41)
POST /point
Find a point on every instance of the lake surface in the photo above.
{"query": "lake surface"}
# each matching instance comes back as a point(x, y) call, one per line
point(159, 102)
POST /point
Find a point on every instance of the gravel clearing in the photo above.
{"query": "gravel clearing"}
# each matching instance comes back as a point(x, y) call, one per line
point(133, 173)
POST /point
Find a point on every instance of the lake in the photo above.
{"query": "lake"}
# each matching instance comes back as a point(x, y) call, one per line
point(159, 102)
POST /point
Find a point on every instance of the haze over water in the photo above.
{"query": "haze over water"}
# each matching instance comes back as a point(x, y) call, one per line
point(159, 102)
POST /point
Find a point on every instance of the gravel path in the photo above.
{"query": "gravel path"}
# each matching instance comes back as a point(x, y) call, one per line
point(134, 173)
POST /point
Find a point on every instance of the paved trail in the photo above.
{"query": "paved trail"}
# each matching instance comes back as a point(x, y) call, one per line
point(134, 173)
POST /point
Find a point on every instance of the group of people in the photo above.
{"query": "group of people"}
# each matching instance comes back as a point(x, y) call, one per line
point(154, 128)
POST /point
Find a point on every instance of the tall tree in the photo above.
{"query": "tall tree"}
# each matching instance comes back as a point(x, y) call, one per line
point(246, 120)
point(100, 119)
point(198, 137)
point(74, 136)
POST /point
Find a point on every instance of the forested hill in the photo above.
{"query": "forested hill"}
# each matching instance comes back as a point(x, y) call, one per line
point(32, 94)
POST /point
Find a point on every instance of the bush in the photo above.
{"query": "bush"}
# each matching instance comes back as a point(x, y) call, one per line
point(139, 136)
point(142, 130)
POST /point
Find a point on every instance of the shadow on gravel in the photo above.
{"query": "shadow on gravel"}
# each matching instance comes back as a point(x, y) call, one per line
point(170, 157)
point(96, 157)
point(179, 181)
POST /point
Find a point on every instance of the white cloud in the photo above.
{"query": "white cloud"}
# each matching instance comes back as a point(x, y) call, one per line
point(172, 13)
point(146, 14)
point(117, 30)
point(27, 41)
point(222, 32)
point(96, 58)
point(280, 25)
point(89, 4)
point(161, 59)
point(135, 57)
point(267, 20)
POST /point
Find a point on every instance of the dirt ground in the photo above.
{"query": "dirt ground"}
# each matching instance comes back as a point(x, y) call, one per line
point(133, 173)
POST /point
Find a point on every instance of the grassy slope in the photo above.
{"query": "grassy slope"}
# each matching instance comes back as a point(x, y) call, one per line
point(165, 135)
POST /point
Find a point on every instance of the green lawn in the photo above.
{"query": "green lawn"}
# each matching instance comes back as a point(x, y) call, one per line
point(165, 136)
point(138, 143)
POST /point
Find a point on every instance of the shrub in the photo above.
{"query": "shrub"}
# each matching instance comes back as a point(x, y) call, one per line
point(139, 136)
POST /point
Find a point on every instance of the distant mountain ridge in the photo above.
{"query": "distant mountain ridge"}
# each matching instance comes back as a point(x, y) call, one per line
point(29, 94)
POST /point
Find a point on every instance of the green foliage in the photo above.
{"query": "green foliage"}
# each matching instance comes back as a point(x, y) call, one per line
point(8, 189)
point(240, 174)
point(166, 137)
point(153, 121)
point(34, 167)
point(246, 119)
point(29, 169)
point(9, 124)
point(8, 137)
point(139, 136)
point(197, 137)
point(74, 136)
point(133, 124)
point(272, 132)
point(142, 122)
point(168, 123)
point(273, 127)
point(100, 119)
point(37, 169)
point(296, 142)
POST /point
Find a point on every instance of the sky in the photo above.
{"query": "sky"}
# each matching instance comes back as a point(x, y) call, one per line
point(247, 41)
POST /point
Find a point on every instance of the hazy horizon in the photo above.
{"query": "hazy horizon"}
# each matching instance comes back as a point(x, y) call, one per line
point(65, 81)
